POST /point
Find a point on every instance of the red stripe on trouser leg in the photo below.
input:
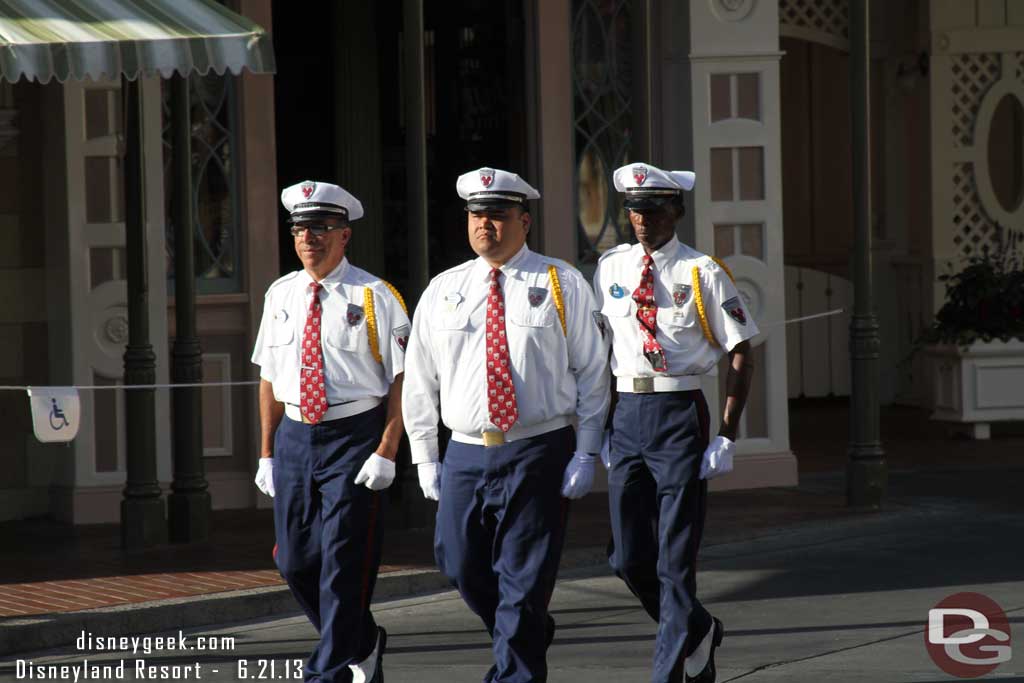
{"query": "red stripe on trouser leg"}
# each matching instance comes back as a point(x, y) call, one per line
point(273, 553)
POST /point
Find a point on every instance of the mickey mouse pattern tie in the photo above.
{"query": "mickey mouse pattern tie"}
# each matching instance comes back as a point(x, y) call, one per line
point(501, 394)
point(647, 314)
point(312, 393)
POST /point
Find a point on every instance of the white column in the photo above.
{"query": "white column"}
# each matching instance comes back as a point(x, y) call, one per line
point(738, 196)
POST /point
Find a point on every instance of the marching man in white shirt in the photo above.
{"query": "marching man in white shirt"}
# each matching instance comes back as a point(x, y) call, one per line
point(511, 344)
point(331, 352)
point(672, 313)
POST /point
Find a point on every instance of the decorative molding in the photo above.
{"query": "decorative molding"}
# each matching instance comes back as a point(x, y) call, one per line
point(732, 10)
point(221, 404)
point(977, 82)
point(116, 329)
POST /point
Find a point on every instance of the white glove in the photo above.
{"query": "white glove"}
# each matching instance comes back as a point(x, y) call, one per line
point(717, 458)
point(265, 476)
point(579, 476)
point(377, 473)
point(430, 479)
point(606, 449)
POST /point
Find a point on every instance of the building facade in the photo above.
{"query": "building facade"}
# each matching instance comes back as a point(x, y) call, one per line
point(751, 94)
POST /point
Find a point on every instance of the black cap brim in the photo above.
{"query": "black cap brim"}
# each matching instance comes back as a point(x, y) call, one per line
point(482, 206)
point(642, 203)
point(310, 216)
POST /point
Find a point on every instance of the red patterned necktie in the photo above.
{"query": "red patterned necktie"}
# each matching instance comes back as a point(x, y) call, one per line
point(647, 314)
point(501, 394)
point(312, 394)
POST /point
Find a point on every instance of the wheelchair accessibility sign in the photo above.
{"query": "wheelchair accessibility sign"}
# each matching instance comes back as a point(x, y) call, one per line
point(55, 413)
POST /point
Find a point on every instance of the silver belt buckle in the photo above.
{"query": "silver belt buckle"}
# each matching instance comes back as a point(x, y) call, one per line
point(493, 438)
point(643, 385)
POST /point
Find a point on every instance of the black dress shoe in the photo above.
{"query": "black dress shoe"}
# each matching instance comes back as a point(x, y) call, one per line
point(382, 642)
point(707, 675)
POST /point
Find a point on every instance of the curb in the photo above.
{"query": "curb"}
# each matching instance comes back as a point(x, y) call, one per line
point(50, 631)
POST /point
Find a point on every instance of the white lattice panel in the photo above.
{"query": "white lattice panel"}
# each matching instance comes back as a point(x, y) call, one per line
point(973, 75)
point(973, 230)
point(825, 16)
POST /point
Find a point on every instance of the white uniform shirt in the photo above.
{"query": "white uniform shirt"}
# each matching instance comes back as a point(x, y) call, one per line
point(687, 350)
point(350, 371)
point(554, 374)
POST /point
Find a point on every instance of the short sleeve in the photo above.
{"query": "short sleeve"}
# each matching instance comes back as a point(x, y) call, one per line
point(261, 354)
point(728, 317)
point(393, 332)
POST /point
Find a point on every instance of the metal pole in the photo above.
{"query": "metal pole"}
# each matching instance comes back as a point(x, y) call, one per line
point(867, 475)
point(415, 146)
point(188, 506)
point(142, 509)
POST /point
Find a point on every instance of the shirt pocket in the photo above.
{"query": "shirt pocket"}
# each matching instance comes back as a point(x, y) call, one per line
point(534, 317)
point(344, 337)
point(619, 314)
point(450, 330)
point(678, 329)
point(282, 331)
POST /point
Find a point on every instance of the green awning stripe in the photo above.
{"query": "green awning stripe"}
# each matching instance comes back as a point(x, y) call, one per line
point(44, 39)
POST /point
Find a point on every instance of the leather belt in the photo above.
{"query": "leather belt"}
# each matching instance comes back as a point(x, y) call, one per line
point(652, 385)
point(335, 412)
point(498, 438)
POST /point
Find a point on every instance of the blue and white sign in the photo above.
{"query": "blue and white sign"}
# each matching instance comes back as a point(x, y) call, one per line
point(55, 413)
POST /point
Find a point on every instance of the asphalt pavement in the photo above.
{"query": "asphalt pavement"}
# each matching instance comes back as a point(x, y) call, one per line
point(842, 601)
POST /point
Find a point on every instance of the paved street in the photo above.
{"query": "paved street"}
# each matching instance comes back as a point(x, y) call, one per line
point(843, 601)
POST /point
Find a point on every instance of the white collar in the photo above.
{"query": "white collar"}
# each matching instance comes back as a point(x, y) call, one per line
point(511, 268)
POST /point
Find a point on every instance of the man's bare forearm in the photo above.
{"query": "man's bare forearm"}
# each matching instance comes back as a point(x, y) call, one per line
point(271, 412)
point(388, 447)
point(737, 386)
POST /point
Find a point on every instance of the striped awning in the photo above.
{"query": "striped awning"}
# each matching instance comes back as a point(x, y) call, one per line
point(105, 39)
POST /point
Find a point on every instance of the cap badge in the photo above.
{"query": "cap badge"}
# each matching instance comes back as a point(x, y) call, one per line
point(486, 177)
point(307, 189)
point(640, 174)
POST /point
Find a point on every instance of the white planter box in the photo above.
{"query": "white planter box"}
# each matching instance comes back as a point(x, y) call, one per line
point(980, 384)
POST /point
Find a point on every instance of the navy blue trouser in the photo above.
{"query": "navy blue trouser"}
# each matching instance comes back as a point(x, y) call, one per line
point(500, 529)
point(657, 503)
point(328, 532)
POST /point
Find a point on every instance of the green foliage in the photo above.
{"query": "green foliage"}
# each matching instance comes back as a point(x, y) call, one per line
point(985, 300)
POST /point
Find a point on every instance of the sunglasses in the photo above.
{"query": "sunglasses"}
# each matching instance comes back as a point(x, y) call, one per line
point(317, 230)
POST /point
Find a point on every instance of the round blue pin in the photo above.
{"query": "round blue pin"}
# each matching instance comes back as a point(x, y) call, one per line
point(616, 291)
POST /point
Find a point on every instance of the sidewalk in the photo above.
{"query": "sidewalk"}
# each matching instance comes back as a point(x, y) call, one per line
point(56, 581)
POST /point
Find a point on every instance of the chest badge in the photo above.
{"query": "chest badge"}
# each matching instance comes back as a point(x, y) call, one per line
point(617, 291)
point(680, 294)
point(735, 310)
point(452, 301)
point(354, 315)
point(536, 295)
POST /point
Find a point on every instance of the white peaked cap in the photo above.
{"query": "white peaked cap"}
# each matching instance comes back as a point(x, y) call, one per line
point(310, 199)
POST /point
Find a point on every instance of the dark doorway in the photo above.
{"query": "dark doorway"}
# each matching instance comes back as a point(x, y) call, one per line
point(476, 114)
point(475, 76)
point(303, 107)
